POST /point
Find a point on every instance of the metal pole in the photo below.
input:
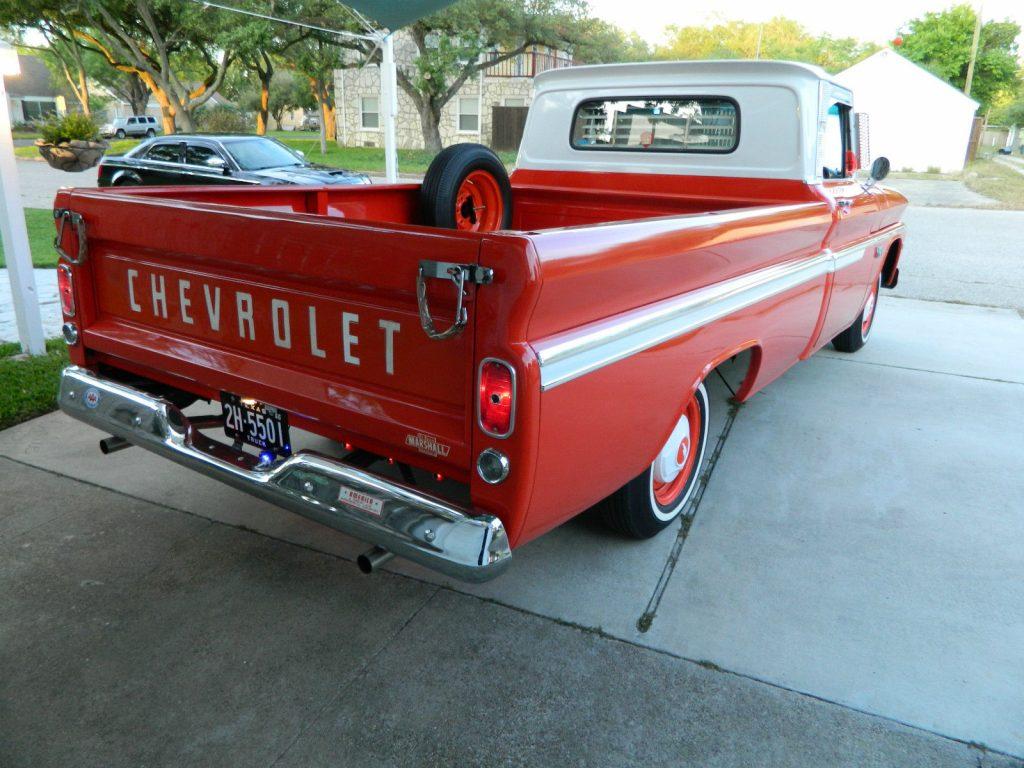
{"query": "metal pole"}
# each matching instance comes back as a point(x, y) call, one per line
point(389, 104)
point(15, 241)
point(974, 53)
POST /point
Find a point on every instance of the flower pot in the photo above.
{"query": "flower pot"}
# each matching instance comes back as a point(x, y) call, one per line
point(72, 156)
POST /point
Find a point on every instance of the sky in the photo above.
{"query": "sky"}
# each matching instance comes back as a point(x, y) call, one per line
point(869, 20)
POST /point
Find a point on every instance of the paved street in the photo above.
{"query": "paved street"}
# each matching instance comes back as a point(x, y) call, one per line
point(846, 591)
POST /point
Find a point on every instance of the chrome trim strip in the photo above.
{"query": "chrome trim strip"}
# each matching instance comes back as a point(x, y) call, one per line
point(403, 520)
point(571, 354)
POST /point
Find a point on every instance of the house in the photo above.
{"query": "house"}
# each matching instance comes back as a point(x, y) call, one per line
point(919, 121)
point(466, 117)
point(31, 95)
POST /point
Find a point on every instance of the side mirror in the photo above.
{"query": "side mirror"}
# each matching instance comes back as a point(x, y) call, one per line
point(300, 153)
point(879, 169)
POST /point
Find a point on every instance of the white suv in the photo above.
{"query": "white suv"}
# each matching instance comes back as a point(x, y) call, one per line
point(138, 125)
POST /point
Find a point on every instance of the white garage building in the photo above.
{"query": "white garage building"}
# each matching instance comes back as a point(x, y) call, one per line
point(917, 120)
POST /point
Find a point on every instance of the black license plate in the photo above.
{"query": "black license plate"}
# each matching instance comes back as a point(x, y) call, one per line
point(258, 424)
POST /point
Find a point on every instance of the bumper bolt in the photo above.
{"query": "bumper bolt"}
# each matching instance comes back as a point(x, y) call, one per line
point(429, 535)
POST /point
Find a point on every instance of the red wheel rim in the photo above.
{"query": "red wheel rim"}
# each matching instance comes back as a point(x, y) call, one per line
point(479, 206)
point(869, 310)
point(667, 493)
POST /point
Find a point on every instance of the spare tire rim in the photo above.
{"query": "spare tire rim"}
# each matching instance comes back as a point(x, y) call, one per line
point(479, 206)
point(675, 464)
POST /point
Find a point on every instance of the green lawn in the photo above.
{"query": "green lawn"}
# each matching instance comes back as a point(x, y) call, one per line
point(40, 238)
point(368, 159)
point(996, 180)
point(30, 384)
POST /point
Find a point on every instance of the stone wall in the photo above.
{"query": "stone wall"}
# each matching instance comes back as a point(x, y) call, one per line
point(352, 85)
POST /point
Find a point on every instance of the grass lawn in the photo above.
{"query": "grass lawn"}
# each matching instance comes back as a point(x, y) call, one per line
point(40, 238)
point(368, 159)
point(987, 177)
point(28, 387)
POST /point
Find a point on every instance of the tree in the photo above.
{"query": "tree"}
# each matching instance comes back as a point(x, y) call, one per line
point(173, 47)
point(450, 47)
point(599, 42)
point(63, 54)
point(287, 92)
point(777, 38)
point(941, 42)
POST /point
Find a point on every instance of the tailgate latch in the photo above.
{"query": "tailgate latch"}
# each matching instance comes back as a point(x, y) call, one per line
point(64, 217)
point(459, 274)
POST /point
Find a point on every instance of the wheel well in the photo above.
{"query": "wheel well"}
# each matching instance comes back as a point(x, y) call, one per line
point(892, 260)
point(738, 369)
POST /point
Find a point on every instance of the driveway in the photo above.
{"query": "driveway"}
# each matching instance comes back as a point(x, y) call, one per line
point(844, 591)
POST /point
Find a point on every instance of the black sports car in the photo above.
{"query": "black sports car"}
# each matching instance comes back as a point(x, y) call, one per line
point(185, 159)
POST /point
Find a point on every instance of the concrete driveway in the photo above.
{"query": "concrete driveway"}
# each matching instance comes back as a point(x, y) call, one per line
point(846, 591)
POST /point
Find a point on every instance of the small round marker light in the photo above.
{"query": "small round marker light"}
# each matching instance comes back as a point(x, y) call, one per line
point(492, 465)
point(70, 333)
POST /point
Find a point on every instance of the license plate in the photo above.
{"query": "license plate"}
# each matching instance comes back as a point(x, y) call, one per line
point(255, 423)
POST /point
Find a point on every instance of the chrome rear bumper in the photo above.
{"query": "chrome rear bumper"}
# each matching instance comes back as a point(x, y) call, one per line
point(412, 524)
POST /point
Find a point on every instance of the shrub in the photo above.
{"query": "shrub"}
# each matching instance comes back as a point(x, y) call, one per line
point(72, 127)
point(222, 119)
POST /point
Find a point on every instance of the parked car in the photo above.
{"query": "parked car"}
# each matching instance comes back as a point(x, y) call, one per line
point(310, 123)
point(188, 159)
point(522, 349)
point(134, 127)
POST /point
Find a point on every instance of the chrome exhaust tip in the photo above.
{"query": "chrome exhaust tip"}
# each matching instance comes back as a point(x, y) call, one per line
point(373, 559)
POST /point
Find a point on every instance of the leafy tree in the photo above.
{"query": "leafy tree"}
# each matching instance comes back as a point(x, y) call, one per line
point(778, 38)
point(941, 42)
point(599, 42)
point(174, 47)
point(288, 91)
point(453, 45)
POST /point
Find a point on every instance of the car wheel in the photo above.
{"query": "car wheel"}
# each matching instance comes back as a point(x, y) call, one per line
point(467, 187)
point(150, 133)
point(856, 336)
point(648, 503)
point(120, 133)
point(126, 181)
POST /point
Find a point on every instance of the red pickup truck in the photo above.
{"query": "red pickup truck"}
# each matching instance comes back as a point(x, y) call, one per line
point(491, 356)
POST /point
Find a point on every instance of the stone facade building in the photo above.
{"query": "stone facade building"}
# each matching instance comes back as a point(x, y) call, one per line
point(466, 117)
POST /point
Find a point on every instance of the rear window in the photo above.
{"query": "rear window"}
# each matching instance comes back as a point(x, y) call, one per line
point(657, 124)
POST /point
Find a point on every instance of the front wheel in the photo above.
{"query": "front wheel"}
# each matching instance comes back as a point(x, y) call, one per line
point(856, 336)
point(150, 133)
point(648, 503)
point(120, 133)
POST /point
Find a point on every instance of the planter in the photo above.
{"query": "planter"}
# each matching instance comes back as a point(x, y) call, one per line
point(72, 156)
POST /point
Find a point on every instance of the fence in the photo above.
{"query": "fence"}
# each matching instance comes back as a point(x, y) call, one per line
point(528, 64)
point(507, 124)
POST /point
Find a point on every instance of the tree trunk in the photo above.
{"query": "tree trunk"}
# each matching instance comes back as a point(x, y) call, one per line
point(430, 124)
point(265, 75)
point(185, 121)
point(82, 92)
point(329, 123)
point(138, 94)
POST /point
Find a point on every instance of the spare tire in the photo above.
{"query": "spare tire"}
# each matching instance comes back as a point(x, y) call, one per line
point(466, 187)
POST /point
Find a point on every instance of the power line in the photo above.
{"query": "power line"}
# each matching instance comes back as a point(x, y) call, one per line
point(265, 17)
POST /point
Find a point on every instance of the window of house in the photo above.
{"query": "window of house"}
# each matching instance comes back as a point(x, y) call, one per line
point(835, 141)
point(511, 101)
point(469, 114)
point(37, 110)
point(370, 110)
point(657, 124)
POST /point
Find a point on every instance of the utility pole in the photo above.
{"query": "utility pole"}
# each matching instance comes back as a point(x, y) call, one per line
point(974, 52)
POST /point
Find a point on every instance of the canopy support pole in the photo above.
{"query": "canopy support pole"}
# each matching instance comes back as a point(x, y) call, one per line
point(15, 241)
point(389, 104)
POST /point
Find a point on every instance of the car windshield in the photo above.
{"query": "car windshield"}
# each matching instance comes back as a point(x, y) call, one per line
point(258, 154)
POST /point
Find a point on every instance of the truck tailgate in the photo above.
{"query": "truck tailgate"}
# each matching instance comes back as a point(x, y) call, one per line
point(315, 315)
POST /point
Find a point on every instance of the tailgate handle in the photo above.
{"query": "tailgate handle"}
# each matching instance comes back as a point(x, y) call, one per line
point(63, 215)
point(459, 274)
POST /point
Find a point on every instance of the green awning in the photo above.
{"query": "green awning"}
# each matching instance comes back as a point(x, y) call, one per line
point(394, 14)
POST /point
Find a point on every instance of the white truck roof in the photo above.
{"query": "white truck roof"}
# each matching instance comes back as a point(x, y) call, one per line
point(781, 108)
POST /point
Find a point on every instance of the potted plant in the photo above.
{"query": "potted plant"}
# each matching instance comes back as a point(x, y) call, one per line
point(71, 143)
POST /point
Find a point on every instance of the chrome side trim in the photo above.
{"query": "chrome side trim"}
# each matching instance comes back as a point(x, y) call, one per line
point(571, 354)
point(403, 520)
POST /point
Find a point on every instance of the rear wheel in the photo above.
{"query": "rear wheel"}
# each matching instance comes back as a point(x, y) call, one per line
point(466, 187)
point(856, 336)
point(650, 502)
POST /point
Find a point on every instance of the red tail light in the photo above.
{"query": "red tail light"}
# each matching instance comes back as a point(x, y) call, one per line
point(497, 406)
point(851, 162)
point(66, 289)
